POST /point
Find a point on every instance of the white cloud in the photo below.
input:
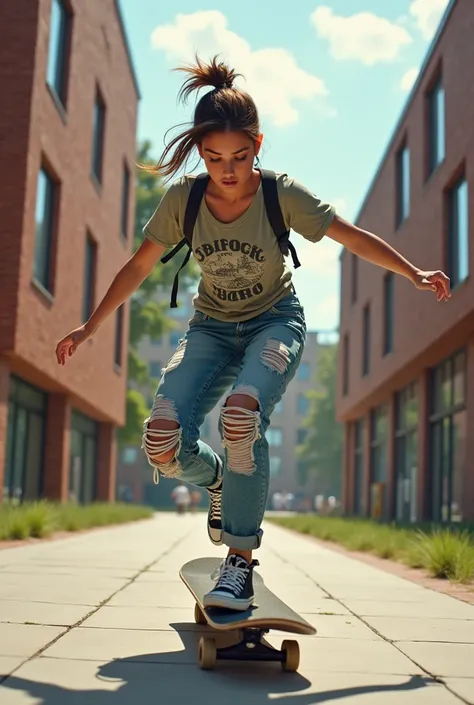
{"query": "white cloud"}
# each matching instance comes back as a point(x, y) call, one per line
point(427, 14)
point(320, 258)
point(272, 75)
point(363, 37)
point(408, 79)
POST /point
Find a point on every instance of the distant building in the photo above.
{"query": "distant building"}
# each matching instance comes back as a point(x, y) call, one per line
point(406, 372)
point(285, 433)
point(67, 153)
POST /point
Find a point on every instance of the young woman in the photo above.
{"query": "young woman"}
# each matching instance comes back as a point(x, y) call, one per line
point(248, 330)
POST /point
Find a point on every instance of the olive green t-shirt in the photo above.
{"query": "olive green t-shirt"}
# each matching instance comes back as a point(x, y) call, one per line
point(243, 272)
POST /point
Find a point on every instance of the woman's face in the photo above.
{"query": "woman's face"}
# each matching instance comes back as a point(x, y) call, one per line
point(229, 157)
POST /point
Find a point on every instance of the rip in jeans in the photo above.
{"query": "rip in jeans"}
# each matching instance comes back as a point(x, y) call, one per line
point(246, 425)
point(157, 442)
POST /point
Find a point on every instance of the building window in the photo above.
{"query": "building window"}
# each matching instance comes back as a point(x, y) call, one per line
point(24, 461)
point(388, 304)
point(403, 185)
point(378, 461)
point(83, 459)
point(304, 372)
point(448, 438)
point(345, 364)
point(129, 455)
point(366, 340)
point(174, 338)
point(125, 200)
point(275, 465)
point(279, 407)
point(436, 126)
point(118, 353)
point(98, 137)
point(154, 369)
point(354, 278)
point(90, 268)
point(406, 452)
point(46, 200)
point(358, 504)
point(302, 404)
point(301, 435)
point(59, 37)
point(274, 437)
point(458, 234)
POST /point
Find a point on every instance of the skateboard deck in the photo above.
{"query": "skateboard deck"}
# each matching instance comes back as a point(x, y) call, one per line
point(268, 612)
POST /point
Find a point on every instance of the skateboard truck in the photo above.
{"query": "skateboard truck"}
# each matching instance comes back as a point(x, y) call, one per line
point(250, 648)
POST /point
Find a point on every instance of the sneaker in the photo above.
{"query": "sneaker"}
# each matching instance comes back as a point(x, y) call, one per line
point(234, 586)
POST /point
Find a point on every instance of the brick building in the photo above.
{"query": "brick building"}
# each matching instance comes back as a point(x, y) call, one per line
point(406, 367)
point(67, 154)
point(287, 429)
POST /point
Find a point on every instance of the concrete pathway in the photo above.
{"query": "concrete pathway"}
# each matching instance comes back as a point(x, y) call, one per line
point(103, 618)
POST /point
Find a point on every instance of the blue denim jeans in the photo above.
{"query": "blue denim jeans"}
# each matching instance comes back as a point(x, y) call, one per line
point(258, 358)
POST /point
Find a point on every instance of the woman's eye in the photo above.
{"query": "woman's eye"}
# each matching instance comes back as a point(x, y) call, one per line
point(214, 160)
point(241, 159)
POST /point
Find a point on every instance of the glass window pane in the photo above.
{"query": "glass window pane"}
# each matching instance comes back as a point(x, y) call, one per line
point(275, 465)
point(304, 371)
point(459, 440)
point(89, 278)
point(20, 446)
point(10, 454)
point(274, 436)
point(57, 49)
point(462, 233)
point(445, 469)
point(98, 138)
point(279, 407)
point(89, 470)
point(154, 369)
point(459, 381)
point(303, 404)
point(34, 456)
point(440, 124)
point(43, 229)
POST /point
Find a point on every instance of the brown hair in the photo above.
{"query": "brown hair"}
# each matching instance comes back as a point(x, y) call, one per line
point(223, 109)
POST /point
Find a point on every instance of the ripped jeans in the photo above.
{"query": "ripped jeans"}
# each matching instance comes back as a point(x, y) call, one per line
point(257, 358)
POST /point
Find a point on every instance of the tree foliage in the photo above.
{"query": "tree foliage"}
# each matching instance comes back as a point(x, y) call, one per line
point(321, 453)
point(148, 311)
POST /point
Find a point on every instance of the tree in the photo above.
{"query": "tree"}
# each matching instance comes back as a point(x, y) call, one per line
point(148, 315)
point(321, 453)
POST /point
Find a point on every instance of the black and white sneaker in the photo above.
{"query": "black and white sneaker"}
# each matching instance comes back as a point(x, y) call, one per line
point(234, 586)
point(214, 518)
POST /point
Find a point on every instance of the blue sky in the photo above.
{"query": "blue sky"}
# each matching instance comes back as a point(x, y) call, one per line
point(330, 79)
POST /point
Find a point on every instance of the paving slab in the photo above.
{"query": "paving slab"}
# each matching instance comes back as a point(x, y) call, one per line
point(47, 613)
point(137, 638)
point(419, 629)
point(125, 682)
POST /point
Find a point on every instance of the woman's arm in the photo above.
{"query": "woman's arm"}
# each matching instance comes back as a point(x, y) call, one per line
point(373, 249)
point(124, 284)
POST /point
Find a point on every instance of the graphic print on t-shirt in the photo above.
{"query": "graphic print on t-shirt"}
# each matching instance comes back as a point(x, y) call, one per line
point(233, 268)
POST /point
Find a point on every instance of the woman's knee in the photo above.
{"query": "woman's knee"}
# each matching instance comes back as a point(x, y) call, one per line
point(240, 419)
point(162, 435)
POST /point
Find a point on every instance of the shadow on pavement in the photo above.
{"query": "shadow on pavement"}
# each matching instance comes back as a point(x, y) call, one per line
point(173, 678)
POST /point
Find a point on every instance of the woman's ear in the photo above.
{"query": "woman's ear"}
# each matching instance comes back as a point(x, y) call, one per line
point(258, 144)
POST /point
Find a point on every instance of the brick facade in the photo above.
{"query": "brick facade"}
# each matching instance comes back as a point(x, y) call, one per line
point(38, 130)
point(425, 333)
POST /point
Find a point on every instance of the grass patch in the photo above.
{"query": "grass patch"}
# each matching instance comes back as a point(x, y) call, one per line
point(41, 519)
point(446, 553)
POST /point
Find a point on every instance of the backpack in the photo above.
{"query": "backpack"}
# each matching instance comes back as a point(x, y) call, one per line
point(274, 215)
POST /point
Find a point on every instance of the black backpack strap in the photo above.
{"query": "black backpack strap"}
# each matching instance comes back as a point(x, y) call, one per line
point(192, 207)
point(191, 213)
point(275, 216)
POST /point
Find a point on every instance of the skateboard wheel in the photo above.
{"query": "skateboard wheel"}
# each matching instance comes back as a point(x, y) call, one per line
point(291, 649)
point(207, 653)
point(199, 618)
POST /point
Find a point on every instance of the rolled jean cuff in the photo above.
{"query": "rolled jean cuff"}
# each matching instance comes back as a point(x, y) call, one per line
point(243, 543)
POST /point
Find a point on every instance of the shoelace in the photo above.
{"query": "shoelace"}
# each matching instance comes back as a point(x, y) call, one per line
point(232, 577)
point(215, 497)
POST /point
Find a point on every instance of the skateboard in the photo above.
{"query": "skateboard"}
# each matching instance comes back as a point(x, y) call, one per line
point(268, 612)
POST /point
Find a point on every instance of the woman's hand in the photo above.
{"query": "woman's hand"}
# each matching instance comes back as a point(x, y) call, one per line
point(69, 344)
point(433, 281)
